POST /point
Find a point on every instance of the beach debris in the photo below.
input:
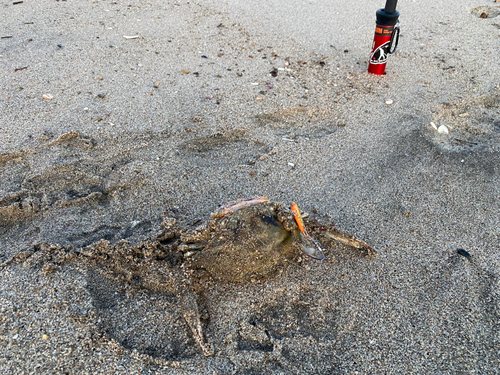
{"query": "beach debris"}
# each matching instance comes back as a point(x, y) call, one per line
point(47, 97)
point(434, 126)
point(131, 36)
point(17, 2)
point(464, 253)
point(274, 72)
point(59, 45)
point(18, 69)
point(485, 12)
point(184, 71)
point(251, 239)
point(6, 37)
point(389, 101)
point(442, 129)
point(101, 96)
point(247, 240)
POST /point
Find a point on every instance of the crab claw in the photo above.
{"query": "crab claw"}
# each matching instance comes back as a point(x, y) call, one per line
point(306, 242)
point(311, 248)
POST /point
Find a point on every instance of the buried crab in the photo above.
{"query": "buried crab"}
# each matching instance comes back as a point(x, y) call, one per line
point(245, 241)
point(250, 239)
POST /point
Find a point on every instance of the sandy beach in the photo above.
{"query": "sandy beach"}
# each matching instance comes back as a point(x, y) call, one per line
point(119, 119)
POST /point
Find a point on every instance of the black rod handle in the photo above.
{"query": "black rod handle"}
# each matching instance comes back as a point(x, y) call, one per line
point(390, 6)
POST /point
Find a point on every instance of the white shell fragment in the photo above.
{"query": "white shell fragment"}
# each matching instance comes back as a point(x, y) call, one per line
point(434, 126)
point(443, 130)
point(389, 101)
point(48, 97)
point(131, 36)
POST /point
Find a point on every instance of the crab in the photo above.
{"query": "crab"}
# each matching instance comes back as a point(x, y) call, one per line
point(251, 239)
point(245, 241)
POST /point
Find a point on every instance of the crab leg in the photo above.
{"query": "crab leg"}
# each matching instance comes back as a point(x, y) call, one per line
point(350, 240)
point(234, 206)
point(193, 321)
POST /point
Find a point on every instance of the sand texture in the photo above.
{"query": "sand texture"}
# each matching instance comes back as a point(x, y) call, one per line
point(124, 125)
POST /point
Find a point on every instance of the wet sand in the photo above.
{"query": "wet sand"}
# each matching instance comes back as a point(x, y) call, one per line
point(217, 101)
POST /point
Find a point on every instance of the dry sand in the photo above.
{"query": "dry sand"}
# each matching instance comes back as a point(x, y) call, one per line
point(187, 117)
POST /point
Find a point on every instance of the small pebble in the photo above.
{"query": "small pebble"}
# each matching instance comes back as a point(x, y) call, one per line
point(443, 130)
point(434, 126)
point(47, 97)
point(291, 165)
point(389, 101)
point(464, 253)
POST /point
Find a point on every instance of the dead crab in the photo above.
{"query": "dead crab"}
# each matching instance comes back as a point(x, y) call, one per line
point(250, 239)
point(247, 240)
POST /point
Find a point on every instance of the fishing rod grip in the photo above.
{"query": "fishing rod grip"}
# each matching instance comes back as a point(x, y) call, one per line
point(386, 34)
point(390, 6)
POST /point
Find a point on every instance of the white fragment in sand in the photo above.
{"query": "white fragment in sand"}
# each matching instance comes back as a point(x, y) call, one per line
point(131, 36)
point(288, 140)
point(443, 130)
point(389, 101)
point(434, 126)
point(254, 83)
point(463, 114)
point(282, 69)
point(291, 165)
point(86, 109)
point(48, 97)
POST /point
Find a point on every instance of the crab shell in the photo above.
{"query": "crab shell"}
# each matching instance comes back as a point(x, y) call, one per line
point(249, 240)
